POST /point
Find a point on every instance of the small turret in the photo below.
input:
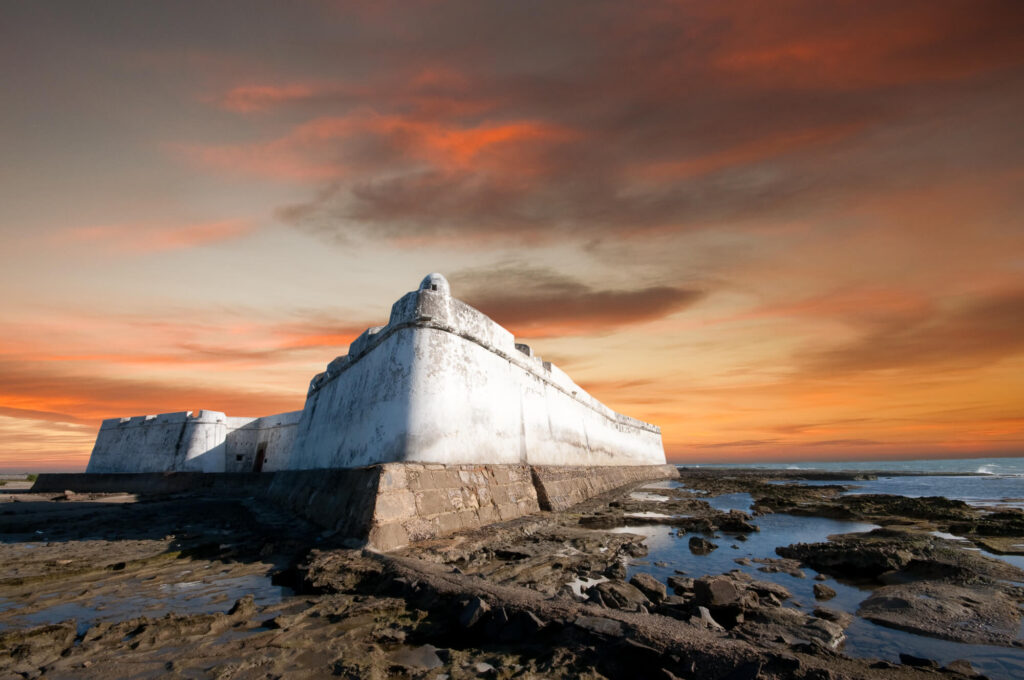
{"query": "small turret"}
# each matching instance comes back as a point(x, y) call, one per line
point(436, 282)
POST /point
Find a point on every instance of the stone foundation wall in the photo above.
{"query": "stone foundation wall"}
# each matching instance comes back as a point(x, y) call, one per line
point(561, 486)
point(342, 500)
point(391, 505)
point(417, 501)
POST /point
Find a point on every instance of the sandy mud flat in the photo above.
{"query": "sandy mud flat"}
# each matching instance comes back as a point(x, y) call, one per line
point(722, 574)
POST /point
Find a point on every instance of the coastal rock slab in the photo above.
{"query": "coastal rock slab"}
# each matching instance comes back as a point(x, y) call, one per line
point(972, 614)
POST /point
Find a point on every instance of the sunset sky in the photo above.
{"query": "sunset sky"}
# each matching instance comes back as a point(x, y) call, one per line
point(786, 230)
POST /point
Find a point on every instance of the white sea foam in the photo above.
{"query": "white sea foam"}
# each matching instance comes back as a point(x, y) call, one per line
point(646, 496)
point(581, 584)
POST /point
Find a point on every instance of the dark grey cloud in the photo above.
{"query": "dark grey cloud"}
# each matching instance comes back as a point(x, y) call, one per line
point(682, 116)
point(537, 302)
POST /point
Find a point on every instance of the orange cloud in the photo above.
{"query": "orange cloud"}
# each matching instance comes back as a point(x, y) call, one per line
point(749, 153)
point(334, 147)
point(137, 238)
point(842, 47)
point(250, 98)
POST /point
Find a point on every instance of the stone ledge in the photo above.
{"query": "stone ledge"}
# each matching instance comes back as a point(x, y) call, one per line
point(561, 486)
point(390, 505)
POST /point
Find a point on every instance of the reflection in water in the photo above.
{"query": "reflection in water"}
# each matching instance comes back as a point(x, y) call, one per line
point(863, 637)
point(133, 598)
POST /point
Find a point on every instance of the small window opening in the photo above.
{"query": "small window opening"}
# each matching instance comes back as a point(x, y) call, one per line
point(433, 286)
point(238, 458)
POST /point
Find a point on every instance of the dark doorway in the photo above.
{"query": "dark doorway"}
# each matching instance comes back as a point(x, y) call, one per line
point(261, 455)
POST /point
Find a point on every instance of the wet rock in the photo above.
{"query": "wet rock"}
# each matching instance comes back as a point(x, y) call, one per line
point(701, 546)
point(842, 618)
point(773, 565)
point(521, 626)
point(891, 556)
point(473, 612)
point(619, 595)
point(823, 592)
point(717, 591)
point(243, 608)
point(680, 584)
point(971, 614)
point(483, 668)
point(819, 674)
point(735, 520)
point(649, 586)
point(917, 661)
point(600, 625)
point(279, 622)
point(830, 634)
point(616, 570)
point(28, 650)
point(764, 588)
point(423, 657)
point(962, 666)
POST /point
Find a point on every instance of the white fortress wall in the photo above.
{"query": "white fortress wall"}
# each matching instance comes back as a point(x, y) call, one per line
point(440, 383)
point(184, 441)
point(356, 412)
point(246, 437)
point(139, 444)
point(443, 383)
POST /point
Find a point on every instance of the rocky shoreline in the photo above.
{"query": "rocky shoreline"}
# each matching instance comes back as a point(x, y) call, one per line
point(187, 586)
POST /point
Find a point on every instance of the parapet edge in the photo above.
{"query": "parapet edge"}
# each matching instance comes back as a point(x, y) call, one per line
point(440, 311)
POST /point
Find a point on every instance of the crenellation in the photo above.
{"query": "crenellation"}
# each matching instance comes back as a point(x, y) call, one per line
point(442, 400)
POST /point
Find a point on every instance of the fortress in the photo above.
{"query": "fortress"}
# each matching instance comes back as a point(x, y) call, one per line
point(434, 422)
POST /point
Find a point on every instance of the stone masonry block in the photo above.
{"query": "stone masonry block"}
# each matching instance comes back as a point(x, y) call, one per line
point(394, 506)
point(393, 477)
point(421, 528)
point(431, 502)
point(447, 523)
point(388, 536)
point(499, 495)
point(455, 499)
point(483, 495)
point(469, 499)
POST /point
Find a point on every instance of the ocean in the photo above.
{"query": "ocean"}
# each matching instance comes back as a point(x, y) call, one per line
point(1013, 467)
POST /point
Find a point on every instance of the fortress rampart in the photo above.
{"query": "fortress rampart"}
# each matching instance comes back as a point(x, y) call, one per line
point(443, 383)
point(208, 441)
point(435, 422)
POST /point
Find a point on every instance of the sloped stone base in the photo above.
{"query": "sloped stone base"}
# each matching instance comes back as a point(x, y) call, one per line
point(391, 505)
point(563, 486)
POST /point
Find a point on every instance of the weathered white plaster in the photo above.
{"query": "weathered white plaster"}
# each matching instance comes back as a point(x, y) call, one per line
point(274, 434)
point(440, 383)
point(443, 383)
point(205, 442)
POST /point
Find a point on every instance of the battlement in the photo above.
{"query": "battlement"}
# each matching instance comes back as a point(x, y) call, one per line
point(437, 309)
point(440, 383)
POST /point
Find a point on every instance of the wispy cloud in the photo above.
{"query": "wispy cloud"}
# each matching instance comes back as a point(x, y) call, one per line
point(536, 303)
point(147, 238)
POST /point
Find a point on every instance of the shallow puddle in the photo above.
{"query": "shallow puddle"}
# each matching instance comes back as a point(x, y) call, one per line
point(666, 545)
point(203, 591)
